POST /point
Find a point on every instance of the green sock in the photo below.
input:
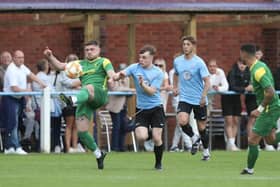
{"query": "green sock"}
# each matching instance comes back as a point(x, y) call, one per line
point(87, 140)
point(82, 96)
point(252, 156)
point(277, 140)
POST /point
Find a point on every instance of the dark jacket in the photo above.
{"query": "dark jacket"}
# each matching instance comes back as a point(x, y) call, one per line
point(238, 80)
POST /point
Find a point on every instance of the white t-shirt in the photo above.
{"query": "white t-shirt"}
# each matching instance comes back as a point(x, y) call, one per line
point(219, 79)
point(16, 76)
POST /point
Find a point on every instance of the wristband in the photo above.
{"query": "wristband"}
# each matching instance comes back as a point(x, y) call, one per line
point(260, 108)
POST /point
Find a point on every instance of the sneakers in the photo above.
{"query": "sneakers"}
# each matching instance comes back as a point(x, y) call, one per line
point(174, 149)
point(149, 145)
point(158, 166)
point(57, 149)
point(100, 160)
point(233, 147)
point(247, 171)
point(67, 100)
point(20, 151)
point(195, 146)
point(269, 148)
point(205, 155)
point(80, 148)
point(9, 151)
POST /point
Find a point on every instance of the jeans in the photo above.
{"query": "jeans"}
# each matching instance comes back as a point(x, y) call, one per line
point(118, 131)
point(11, 136)
point(55, 131)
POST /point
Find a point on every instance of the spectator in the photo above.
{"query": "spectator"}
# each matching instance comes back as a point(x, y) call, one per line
point(15, 80)
point(64, 83)
point(44, 75)
point(233, 105)
point(165, 87)
point(118, 111)
point(218, 83)
point(5, 60)
point(30, 124)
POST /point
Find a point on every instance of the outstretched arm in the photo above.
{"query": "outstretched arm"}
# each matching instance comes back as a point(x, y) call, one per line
point(53, 60)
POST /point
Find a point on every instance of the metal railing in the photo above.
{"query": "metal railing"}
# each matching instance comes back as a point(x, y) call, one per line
point(45, 111)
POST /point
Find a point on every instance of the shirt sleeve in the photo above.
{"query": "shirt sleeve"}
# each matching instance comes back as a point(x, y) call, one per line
point(204, 70)
point(224, 83)
point(175, 67)
point(107, 65)
point(262, 78)
point(128, 71)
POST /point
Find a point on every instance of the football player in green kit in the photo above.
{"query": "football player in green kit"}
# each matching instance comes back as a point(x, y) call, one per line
point(268, 111)
point(97, 73)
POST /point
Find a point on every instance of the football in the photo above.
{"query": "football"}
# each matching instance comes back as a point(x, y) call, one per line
point(73, 69)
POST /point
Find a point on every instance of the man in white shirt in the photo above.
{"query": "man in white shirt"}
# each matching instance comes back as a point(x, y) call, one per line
point(218, 83)
point(15, 80)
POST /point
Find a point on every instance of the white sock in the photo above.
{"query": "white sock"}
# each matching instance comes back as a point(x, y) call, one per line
point(250, 170)
point(194, 138)
point(97, 153)
point(206, 152)
point(74, 99)
point(231, 141)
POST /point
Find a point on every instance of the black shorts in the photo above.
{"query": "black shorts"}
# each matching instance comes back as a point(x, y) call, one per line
point(69, 111)
point(231, 105)
point(154, 117)
point(200, 113)
point(251, 103)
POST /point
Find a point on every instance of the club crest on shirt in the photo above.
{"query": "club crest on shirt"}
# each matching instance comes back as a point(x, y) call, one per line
point(187, 75)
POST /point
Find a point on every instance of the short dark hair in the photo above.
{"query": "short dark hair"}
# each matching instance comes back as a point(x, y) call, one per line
point(92, 42)
point(249, 48)
point(41, 64)
point(189, 38)
point(150, 48)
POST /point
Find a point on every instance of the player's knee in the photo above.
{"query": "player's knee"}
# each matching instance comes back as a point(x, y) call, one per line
point(82, 124)
point(183, 121)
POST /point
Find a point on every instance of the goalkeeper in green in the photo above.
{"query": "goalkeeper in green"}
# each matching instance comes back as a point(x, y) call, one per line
point(268, 111)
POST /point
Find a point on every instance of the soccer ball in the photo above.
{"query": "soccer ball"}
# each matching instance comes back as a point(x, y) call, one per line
point(73, 69)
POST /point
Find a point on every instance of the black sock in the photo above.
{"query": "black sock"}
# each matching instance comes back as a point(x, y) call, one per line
point(204, 136)
point(188, 130)
point(150, 134)
point(158, 150)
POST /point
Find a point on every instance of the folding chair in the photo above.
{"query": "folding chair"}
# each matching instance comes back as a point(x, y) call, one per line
point(215, 125)
point(106, 128)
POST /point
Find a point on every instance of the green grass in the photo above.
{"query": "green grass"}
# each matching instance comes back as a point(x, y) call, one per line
point(136, 169)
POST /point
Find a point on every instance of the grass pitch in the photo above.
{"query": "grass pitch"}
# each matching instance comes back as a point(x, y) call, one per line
point(136, 169)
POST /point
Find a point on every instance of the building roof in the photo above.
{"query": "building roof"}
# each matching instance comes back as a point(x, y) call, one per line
point(136, 6)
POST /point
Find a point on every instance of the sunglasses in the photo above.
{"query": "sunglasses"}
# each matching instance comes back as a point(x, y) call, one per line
point(159, 65)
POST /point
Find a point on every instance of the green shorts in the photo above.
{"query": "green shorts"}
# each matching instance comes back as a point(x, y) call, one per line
point(87, 108)
point(266, 122)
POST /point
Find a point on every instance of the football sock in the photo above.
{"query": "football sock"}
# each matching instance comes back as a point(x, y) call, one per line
point(97, 153)
point(87, 140)
point(82, 96)
point(158, 150)
point(188, 130)
point(204, 136)
point(252, 156)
